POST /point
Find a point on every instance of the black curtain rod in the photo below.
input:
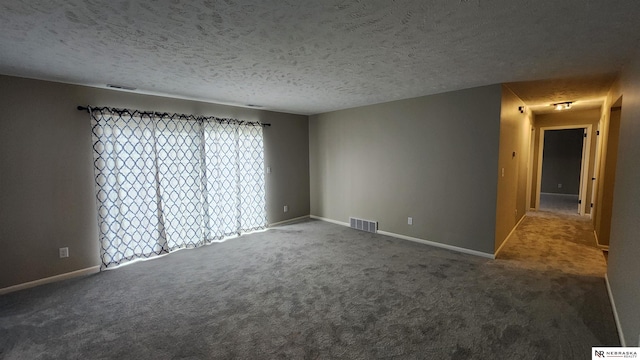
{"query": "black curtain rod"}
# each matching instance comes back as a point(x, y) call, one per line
point(84, 108)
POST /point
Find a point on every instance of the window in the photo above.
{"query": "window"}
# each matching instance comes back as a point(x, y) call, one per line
point(167, 182)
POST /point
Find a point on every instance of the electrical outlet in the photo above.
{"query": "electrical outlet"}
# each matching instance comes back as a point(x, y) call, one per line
point(559, 186)
point(268, 169)
point(64, 252)
point(286, 208)
point(410, 221)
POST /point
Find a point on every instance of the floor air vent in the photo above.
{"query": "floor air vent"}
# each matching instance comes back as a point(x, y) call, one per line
point(364, 225)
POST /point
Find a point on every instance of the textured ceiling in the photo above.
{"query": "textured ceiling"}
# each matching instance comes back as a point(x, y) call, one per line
point(313, 56)
point(586, 92)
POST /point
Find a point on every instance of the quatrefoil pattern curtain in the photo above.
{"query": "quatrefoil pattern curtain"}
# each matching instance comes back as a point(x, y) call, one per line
point(166, 182)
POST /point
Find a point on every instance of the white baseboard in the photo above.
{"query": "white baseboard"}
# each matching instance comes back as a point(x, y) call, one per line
point(65, 276)
point(329, 220)
point(440, 245)
point(284, 222)
point(418, 240)
point(601, 247)
point(509, 236)
point(615, 311)
point(559, 194)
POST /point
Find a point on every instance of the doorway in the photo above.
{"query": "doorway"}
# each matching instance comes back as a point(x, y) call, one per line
point(563, 164)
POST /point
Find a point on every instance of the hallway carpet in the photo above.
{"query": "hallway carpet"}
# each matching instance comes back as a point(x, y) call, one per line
point(560, 203)
point(315, 290)
point(549, 240)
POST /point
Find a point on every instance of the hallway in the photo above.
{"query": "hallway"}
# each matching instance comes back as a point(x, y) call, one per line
point(559, 256)
point(554, 241)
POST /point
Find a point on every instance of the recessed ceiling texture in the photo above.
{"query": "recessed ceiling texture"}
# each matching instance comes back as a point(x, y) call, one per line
point(586, 92)
point(309, 57)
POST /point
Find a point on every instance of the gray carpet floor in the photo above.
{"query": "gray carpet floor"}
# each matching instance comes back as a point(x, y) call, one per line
point(315, 290)
point(560, 203)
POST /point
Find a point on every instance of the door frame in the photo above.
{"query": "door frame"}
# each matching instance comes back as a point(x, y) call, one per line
point(584, 165)
point(532, 147)
point(596, 169)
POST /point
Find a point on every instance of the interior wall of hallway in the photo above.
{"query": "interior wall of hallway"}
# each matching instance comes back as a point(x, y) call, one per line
point(562, 161)
point(513, 164)
point(610, 133)
point(623, 271)
point(565, 118)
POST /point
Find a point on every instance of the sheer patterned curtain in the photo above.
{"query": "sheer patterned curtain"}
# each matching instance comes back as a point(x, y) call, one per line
point(166, 182)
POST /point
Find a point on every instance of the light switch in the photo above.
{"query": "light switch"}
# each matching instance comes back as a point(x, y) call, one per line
point(268, 169)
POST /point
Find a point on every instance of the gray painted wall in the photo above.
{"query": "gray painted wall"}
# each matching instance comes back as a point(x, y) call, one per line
point(624, 249)
point(561, 161)
point(433, 158)
point(515, 133)
point(46, 171)
point(603, 208)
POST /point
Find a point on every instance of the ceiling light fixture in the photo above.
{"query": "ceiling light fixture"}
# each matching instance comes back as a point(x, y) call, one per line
point(563, 105)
